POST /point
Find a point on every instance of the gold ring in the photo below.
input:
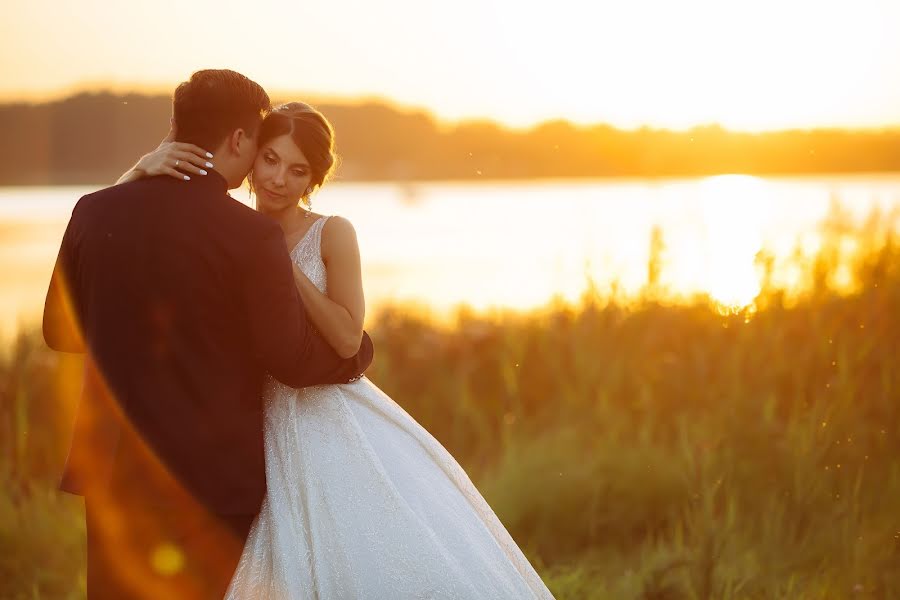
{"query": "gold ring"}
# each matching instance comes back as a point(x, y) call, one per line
point(176, 163)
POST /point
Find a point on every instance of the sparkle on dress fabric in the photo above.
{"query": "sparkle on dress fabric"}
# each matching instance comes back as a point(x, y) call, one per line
point(363, 503)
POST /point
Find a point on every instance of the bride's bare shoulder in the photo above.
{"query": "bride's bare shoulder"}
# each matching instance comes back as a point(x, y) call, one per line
point(338, 236)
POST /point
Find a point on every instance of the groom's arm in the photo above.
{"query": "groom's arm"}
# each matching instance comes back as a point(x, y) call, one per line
point(61, 326)
point(282, 336)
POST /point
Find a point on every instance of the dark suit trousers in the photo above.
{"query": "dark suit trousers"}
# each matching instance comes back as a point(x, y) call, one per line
point(139, 551)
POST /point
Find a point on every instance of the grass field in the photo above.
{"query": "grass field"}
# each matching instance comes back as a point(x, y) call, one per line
point(634, 450)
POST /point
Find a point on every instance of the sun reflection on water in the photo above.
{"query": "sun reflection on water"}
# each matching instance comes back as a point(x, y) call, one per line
point(521, 245)
point(735, 209)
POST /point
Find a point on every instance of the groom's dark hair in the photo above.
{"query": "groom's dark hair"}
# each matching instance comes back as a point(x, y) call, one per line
point(213, 103)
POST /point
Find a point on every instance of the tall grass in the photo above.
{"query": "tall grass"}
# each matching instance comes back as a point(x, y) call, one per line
point(634, 451)
point(42, 545)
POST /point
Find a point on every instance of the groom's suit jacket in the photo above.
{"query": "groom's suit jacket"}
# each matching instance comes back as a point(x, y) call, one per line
point(182, 299)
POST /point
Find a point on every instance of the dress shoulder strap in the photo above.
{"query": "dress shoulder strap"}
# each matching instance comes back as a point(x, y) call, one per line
point(316, 232)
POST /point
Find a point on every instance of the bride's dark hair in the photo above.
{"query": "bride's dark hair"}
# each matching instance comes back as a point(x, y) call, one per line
point(312, 133)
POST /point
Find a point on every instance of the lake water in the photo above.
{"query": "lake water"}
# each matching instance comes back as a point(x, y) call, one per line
point(519, 244)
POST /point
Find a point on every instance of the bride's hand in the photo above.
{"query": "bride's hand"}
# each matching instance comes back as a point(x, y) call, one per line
point(174, 159)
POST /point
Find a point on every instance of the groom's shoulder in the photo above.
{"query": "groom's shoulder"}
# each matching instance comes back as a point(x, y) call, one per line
point(95, 200)
point(156, 194)
point(115, 193)
point(113, 202)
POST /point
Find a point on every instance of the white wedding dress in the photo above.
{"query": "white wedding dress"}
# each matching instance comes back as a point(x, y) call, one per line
point(363, 503)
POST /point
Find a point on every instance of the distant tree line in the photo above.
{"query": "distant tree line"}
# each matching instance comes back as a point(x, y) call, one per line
point(94, 137)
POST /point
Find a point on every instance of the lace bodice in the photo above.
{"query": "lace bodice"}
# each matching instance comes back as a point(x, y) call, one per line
point(307, 255)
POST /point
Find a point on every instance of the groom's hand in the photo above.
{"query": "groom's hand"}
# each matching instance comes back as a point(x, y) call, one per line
point(363, 358)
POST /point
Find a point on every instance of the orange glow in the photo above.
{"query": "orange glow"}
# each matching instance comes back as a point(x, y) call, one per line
point(140, 545)
point(748, 66)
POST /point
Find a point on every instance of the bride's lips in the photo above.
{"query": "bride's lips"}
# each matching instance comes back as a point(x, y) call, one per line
point(272, 195)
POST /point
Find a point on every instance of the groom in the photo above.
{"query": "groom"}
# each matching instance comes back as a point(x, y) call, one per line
point(182, 300)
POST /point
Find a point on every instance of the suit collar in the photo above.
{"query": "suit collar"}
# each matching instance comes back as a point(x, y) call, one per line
point(213, 181)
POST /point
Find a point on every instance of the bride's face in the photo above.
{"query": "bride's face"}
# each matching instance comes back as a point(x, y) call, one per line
point(281, 175)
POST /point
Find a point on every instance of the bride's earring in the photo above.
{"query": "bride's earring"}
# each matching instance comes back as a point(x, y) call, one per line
point(308, 202)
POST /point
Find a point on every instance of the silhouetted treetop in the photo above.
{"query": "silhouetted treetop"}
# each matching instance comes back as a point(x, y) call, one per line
point(94, 137)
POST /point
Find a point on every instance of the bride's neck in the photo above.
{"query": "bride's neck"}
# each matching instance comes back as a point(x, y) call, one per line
point(288, 218)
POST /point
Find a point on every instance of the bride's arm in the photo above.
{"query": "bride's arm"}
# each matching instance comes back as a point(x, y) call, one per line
point(339, 315)
point(175, 159)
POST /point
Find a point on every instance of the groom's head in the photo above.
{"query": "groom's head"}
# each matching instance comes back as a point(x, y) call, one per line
point(221, 110)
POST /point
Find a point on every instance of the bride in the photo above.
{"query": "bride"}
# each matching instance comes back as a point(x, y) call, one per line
point(361, 501)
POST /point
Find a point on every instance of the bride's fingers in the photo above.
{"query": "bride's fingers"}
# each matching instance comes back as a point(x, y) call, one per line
point(192, 163)
point(193, 157)
point(172, 172)
point(201, 154)
point(185, 166)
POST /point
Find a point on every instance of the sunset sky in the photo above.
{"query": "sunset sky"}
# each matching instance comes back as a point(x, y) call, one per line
point(767, 64)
